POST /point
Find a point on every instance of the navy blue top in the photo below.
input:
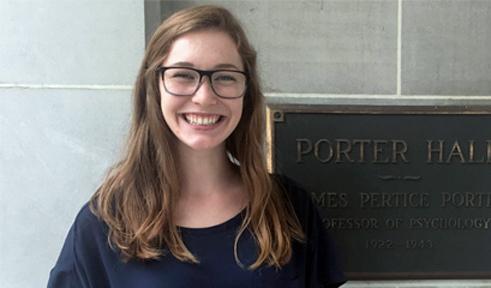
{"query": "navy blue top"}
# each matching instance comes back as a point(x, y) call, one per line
point(87, 260)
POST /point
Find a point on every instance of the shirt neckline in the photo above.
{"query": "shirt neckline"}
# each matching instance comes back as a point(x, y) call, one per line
point(229, 224)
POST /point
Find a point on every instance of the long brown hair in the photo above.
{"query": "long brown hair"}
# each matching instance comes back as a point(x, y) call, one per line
point(137, 198)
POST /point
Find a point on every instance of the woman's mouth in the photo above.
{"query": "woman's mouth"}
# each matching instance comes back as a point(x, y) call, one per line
point(202, 119)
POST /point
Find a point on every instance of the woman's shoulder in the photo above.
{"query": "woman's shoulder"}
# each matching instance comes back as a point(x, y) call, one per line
point(87, 221)
point(89, 232)
point(85, 235)
point(299, 198)
point(322, 251)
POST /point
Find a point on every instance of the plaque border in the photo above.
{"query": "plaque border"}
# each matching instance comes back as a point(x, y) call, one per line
point(275, 113)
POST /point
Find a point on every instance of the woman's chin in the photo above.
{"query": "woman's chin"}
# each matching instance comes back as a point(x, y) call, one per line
point(203, 146)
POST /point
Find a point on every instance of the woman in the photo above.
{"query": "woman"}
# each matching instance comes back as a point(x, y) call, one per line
point(191, 204)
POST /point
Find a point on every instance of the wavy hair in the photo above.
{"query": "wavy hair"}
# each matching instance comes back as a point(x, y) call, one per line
point(137, 197)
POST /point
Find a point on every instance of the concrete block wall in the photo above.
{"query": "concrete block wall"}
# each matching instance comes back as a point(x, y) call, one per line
point(66, 73)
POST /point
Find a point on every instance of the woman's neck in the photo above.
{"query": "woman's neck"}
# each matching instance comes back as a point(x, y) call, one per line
point(211, 189)
point(205, 172)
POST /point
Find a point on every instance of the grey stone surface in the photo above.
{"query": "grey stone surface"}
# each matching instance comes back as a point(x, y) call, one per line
point(70, 42)
point(445, 47)
point(347, 46)
point(55, 148)
point(56, 144)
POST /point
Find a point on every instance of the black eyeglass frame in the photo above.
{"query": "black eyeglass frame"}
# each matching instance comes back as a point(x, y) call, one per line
point(160, 71)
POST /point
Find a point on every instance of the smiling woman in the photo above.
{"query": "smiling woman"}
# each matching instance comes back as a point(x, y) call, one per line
point(197, 99)
point(192, 204)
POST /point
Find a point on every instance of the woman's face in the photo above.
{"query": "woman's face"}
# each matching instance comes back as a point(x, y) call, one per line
point(203, 120)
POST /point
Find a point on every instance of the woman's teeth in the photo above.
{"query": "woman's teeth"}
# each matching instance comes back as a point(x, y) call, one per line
point(194, 119)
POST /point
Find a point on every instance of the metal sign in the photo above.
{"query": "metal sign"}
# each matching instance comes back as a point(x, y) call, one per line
point(405, 192)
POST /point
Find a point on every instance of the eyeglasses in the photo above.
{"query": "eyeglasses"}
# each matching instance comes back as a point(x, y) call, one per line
point(184, 81)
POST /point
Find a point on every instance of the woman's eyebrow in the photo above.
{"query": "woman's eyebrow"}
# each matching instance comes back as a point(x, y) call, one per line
point(227, 65)
point(183, 64)
point(218, 66)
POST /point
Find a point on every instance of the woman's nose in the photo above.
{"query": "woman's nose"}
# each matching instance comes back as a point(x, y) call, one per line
point(205, 94)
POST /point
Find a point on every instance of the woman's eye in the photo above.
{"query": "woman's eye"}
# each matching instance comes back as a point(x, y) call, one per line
point(225, 78)
point(184, 76)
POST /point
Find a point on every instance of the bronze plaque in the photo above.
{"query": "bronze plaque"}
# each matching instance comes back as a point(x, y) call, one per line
point(406, 193)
